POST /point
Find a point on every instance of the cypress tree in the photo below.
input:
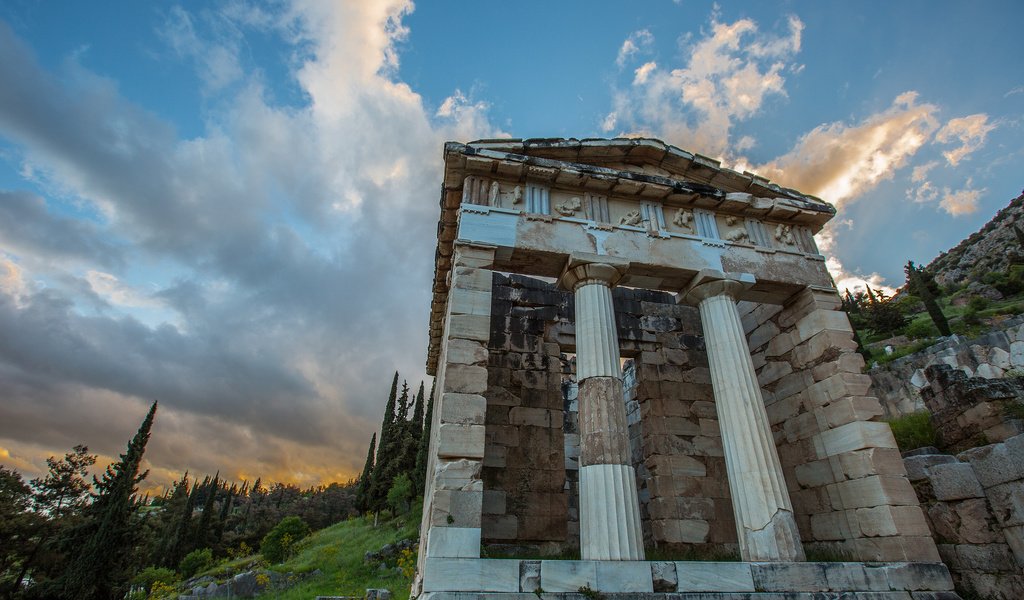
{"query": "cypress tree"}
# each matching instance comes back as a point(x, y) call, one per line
point(203, 530)
point(388, 452)
point(363, 490)
point(419, 478)
point(921, 284)
point(98, 570)
point(417, 416)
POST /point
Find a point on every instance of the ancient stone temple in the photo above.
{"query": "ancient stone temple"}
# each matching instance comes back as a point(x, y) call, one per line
point(638, 351)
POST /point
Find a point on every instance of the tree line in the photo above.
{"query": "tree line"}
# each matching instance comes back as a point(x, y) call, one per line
point(396, 463)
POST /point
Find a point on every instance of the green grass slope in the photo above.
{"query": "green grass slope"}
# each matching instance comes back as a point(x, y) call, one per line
point(337, 551)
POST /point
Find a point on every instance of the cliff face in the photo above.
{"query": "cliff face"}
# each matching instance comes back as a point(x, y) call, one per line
point(988, 249)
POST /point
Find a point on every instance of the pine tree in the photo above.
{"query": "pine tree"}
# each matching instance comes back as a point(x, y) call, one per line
point(419, 478)
point(921, 284)
point(365, 479)
point(98, 569)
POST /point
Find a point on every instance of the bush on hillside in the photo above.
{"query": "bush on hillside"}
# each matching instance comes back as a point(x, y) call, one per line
point(279, 544)
point(195, 562)
point(152, 575)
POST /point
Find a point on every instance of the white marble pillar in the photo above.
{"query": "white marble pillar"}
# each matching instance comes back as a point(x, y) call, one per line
point(765, 523)
point(609, 508)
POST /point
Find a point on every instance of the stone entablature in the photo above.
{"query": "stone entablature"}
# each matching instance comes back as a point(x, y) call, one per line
point(648, 189)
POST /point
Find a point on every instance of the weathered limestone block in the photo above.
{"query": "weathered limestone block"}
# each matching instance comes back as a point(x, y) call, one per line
point(468, 409)
point(822, 320)
point(954, 481)
point(877, 490)
point(918, 465)
point(475, 575)
point(790, 577)
point(465, 352)
point(839, 386)
point(663, 576)
point(456, 508)
point(848, 410)
point(470, 327)
point(916, 576)
point(856, 436)
point(997, 463)
point(968, 521)
point(567, 575)
point(465, 379)
point(624, 576)
point(811, 351)
point(460, 474)
point(892, 520)
point(460, 441)
point(470, 302)
point(694, 576)
point(1007, 501)
point(500, 527)
point(529, 576)
point(453, 542)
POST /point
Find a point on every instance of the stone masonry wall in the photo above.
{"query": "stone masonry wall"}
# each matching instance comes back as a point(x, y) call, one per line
point(972, 411)
point(974, 504)
point(530, 466)
point(899, 383)
point(845, 476)
point(526, 500)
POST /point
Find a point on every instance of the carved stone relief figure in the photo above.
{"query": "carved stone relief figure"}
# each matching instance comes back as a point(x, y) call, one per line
point(684, 219)
point(517, 195)
point(736, 232)
point(784, 234)
point(492, 194)
point(570, 206)
point(631, 218)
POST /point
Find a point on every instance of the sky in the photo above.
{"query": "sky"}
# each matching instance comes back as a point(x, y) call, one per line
point(231, 207)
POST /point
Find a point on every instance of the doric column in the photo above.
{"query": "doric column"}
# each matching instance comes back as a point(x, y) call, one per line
point(765, 523)
point(609, 509)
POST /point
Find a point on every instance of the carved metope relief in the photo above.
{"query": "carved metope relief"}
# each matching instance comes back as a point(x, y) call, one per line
point(684, 220)
point(784, 234)
point(736, 231)
point(569, 206)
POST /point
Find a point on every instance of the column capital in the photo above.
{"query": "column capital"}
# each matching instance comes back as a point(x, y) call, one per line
point(712, 282)
point(584, 268)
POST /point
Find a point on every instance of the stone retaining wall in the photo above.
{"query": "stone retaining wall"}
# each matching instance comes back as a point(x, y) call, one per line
point(899, 383)
point(974, 503)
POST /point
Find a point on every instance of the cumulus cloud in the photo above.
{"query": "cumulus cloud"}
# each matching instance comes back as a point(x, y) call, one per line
point(969, 131)
point(291, 247)
point(727, 77)
point(960, 202)
point(839, 161)
point(636, 42)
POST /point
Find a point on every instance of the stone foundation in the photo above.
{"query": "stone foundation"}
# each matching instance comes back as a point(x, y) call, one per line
point(466, 579)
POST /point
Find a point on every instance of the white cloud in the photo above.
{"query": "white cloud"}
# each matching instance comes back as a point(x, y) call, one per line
point(839, 162)
point(920, 172)
point(636, 42)
point(726, 78)
point(115, 291)
point(960, 202)
point(642, 72)
point(970, 131)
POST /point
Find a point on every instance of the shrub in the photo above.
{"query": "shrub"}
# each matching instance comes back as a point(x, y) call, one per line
point(400, 494)
point(913, 431)
point(920, 328)
point(152, 575)
point(195, 562)
point(279, 544)
point(977, 303)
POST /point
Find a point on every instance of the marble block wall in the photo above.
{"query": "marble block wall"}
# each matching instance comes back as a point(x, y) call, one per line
point(845, 476)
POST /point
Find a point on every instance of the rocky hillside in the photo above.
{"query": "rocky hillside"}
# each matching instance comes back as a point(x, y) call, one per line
point(989, 249)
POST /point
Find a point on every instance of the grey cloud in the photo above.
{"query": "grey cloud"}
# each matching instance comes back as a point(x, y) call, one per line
point(26, 226)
